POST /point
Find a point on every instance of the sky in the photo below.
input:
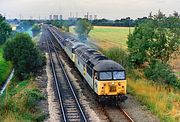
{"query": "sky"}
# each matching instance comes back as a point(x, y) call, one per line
point(110, 9)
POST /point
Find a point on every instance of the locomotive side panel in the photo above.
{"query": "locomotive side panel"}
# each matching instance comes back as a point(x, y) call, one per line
point(80, 64)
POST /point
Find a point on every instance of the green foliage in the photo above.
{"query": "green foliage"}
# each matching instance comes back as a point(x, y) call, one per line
point(57, 23)
point(36, 30)
point(66, 25)
point(25, 25)
point(24, 55)
point(161, 72)
point(5, 30)
point(153, 43)
point(5, 68)
point(118, 55)
point(19, 102)
point(83, 27)
point(123, 22)
point(155, 39)
point(31, 97)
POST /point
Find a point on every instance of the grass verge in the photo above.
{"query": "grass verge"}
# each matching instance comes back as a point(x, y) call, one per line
point(162, 100)
point(19, 102)
point(5, 68)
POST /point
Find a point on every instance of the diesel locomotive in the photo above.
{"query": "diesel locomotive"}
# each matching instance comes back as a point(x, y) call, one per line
point(106, 77)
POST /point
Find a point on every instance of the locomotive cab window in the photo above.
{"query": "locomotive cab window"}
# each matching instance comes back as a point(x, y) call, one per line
point(105, 75)
point(119, 75)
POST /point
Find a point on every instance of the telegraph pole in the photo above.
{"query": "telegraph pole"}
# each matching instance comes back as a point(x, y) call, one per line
point(76, 14)
point(129, 27)
point(87, 15)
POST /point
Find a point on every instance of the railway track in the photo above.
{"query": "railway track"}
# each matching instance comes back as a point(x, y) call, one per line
point(117, 114)
point(126, 114)
point(114, 113)
point(71, 109)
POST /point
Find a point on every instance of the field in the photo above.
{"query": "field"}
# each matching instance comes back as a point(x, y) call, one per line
point(108, 37)
point(162, 101)
point(5, 68)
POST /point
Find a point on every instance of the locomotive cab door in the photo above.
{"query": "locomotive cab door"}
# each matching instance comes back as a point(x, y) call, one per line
point(95, 81)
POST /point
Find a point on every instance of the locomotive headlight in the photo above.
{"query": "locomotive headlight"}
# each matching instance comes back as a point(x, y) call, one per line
point(102, 90)
point(112, 83)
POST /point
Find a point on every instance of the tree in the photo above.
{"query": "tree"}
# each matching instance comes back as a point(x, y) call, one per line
point(35, 30)
point(25, 25)
point(66, 26)
point(5, 30)
point(155, 39)
point(24, 55)
point(159, 15)
point(176, 14)
point(83, 27)
point(153, 43)
point(57, 23)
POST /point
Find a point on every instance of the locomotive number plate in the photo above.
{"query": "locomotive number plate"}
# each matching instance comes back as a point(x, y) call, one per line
point(113, 88)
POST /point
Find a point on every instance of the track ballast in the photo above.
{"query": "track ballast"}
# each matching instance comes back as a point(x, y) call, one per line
point(71, 109)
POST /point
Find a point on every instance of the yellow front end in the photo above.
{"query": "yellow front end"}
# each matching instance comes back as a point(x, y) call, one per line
point(112, 87)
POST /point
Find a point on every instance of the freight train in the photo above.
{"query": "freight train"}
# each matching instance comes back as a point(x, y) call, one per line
point(105, 77)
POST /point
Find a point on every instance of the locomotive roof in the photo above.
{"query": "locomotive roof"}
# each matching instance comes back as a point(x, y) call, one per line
point(89, 54)
point(107, 65)
point(73, 43)
point(57, 34)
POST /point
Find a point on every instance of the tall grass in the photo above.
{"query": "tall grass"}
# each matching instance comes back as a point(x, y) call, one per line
point(19, 102)
point(161, 100)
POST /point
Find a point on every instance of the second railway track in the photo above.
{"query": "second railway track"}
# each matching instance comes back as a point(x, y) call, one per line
point(71, 109)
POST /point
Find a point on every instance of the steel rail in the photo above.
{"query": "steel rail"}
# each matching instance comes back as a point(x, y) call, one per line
point(126, 114)
point(69, 82)
point(56, 82)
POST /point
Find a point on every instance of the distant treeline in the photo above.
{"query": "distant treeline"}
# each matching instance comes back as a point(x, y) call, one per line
point(124, 22)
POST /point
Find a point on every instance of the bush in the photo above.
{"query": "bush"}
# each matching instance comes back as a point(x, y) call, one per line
point(161, 72)
point(118, 55)
point(19, 103)
point(32, 97)
point(24, 55)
